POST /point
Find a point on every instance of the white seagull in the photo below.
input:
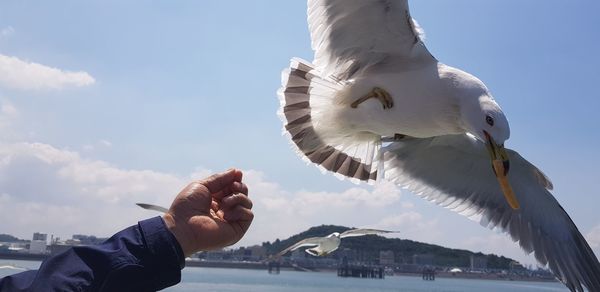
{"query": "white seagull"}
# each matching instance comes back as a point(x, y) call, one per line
point(11, 267)
point(327, 244)
point(375, 103)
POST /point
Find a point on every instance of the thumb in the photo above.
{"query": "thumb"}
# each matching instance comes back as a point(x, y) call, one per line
point(220, 181)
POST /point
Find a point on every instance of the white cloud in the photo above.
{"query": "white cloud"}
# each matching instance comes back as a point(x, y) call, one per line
point(102, 144)
point(499, 243)
point(8, 114)
point(408, 205)
point(88, 178)
point(413, 225)
point(7, 31)
point(200, 173)
point(385, 193)
point(46, 189)
point(281, 213)
point(105, 143)
point(58, 191)
point(18, 74)
point(8, 110)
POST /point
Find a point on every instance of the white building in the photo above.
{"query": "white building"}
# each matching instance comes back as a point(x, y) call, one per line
point(37, 246)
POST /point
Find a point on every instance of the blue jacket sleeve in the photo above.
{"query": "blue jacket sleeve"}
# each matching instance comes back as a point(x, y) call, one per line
point(143, 257)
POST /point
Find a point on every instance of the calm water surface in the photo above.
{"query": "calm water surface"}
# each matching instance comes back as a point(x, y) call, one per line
point(234, 280)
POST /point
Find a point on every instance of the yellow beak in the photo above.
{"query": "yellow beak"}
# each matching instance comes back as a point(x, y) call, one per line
point(500, 164)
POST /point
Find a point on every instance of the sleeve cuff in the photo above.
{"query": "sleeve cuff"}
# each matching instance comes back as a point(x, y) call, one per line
point(166, 255)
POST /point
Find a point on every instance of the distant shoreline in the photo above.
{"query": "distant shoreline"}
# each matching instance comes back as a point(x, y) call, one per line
point(482, 276)
point(23, 256)
point(263, 266)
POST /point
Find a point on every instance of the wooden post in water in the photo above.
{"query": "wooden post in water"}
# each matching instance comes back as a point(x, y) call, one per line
point(274, 267)
point(428, 274)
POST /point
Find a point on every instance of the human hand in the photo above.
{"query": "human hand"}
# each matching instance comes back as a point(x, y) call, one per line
point(211, 213)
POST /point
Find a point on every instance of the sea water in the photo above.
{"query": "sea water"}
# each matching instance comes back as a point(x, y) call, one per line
point(235, 280)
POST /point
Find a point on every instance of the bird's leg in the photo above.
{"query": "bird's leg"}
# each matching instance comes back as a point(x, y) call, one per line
point(398, 137)
point(383, 96)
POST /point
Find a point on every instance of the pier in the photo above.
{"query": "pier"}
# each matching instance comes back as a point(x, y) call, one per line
point(361, 272)
point(274, 267)
point(428, 274)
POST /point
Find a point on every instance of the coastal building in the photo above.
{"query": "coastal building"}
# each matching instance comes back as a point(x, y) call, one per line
point(386, 258)
point(257, 253)
point(423, 259)
point(40, 236)
point(88, 239)
point(217, 255)
point(298, 254)
point(478, 263)
point(57, 248)
point(348, 254)
point(38, 244)
point(38, 247)
point(72, 242)
point(408, 268)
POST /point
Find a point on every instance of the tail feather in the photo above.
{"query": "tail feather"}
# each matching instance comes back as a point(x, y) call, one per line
point(304, 91)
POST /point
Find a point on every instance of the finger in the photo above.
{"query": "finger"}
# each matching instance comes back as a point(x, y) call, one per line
point(232, 201)
point(217, 182)
point(239, 213)
point(234, 188)
point(214, 206)
point(238, 175)
point(239, 187)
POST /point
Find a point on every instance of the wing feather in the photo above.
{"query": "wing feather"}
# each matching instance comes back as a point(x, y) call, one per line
point(363, 231)
point(311, 241)
point(350, 35)
point(455, 171)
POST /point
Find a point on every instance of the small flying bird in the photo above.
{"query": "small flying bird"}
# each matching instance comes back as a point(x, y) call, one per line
point(13, 267)
point(375, 104)
point(153, 207)
point(327, 244)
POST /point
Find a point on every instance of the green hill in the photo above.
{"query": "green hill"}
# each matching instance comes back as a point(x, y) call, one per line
point(369, 247)
point(9, 238)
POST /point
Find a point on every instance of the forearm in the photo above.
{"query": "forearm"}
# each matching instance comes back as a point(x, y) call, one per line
point(144, 257)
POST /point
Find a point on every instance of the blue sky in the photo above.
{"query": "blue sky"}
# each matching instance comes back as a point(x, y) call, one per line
point(106, 103)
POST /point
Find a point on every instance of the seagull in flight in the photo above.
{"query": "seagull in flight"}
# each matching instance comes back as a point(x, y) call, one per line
point(11, 267)
point(376, 104)
point(322, 246)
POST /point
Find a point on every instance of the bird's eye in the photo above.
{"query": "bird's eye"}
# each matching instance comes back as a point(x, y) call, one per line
point(489, 120)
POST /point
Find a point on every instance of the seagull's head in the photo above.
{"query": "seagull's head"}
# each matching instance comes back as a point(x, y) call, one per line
point(483, 118)
point(487, 122)
point(479, 113)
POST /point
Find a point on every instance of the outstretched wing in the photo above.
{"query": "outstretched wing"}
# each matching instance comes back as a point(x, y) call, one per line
point(455, 172)
point(350, 35)
point(363, 231)
point(153, 207)
point(311, 241)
